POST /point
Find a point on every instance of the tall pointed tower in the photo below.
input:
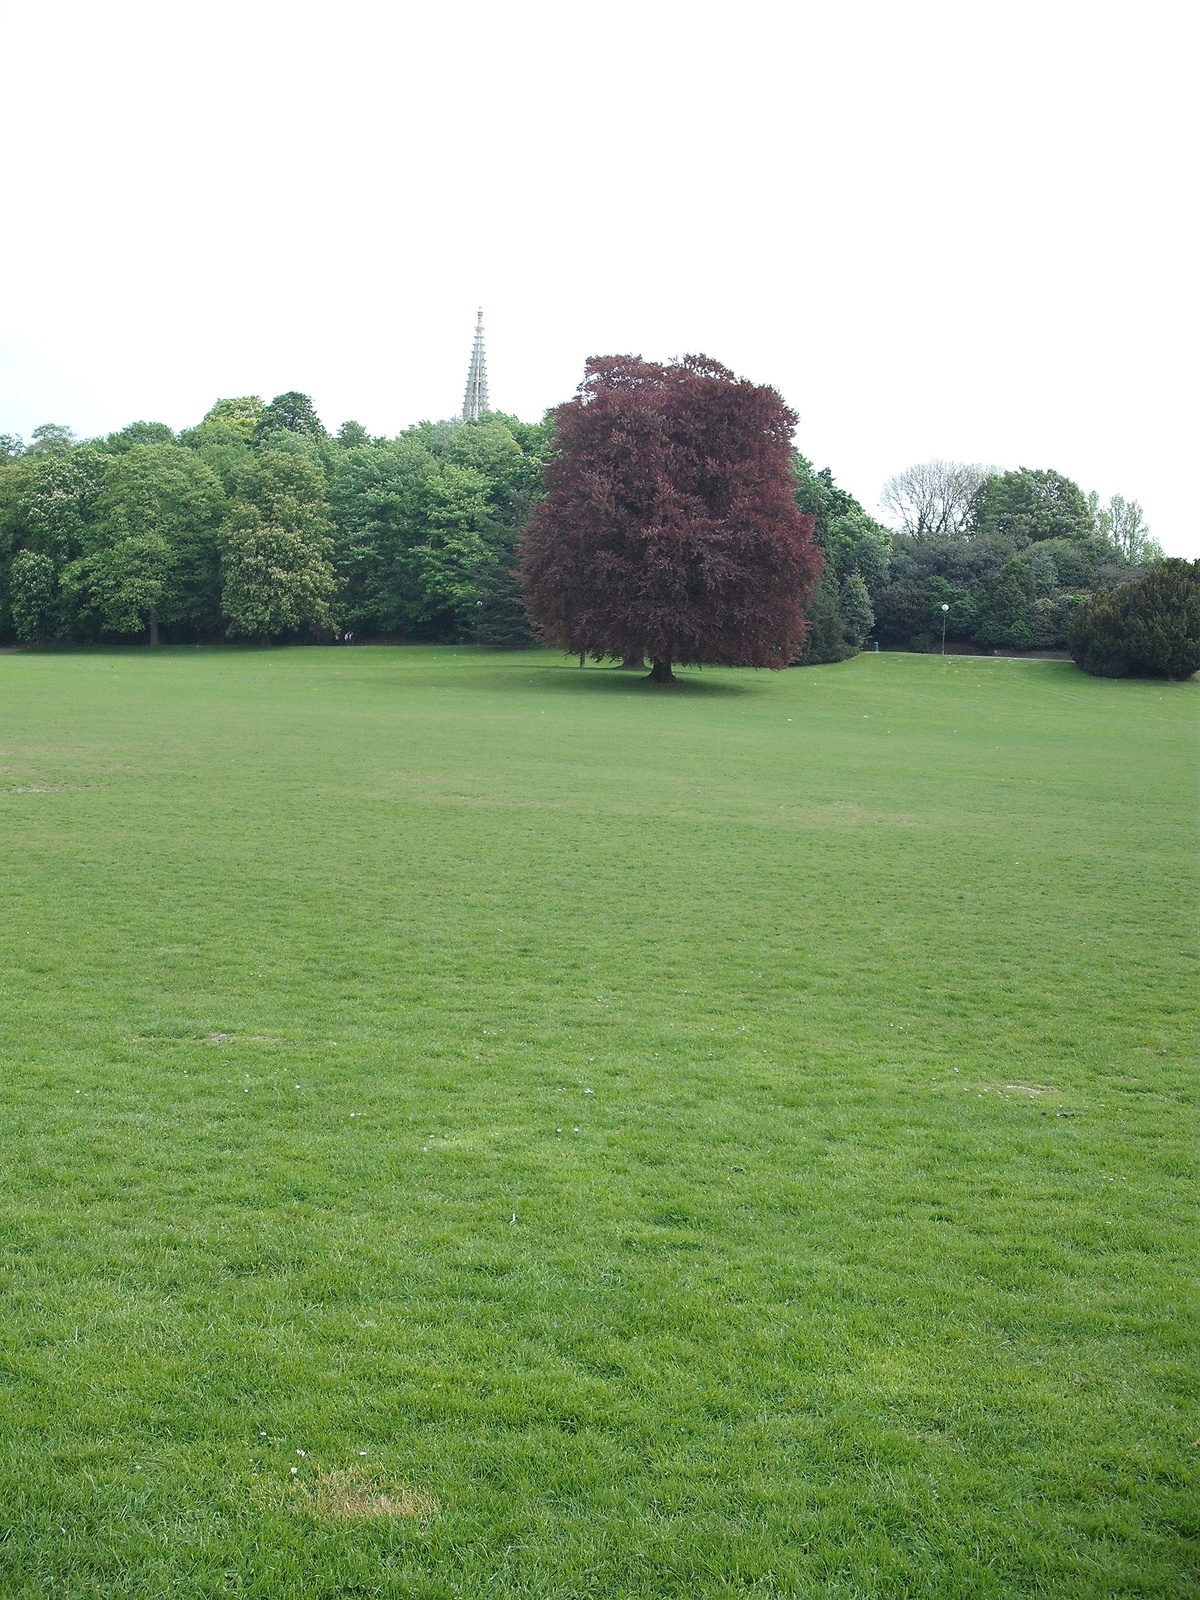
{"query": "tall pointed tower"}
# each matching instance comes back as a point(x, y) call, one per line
point(475, 400)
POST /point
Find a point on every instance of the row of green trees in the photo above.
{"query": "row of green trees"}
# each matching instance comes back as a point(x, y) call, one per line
point(1011, 555)
point(258, 524)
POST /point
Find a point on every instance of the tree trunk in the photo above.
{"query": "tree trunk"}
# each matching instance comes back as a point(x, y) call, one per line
point(153, 633)
point(633, 664)
point(582, 657)
point(661, 672)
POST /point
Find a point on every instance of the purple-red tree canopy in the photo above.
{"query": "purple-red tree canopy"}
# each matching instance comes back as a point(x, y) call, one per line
point(670, 526)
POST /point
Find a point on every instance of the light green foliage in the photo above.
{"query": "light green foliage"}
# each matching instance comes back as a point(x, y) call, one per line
point(33, 584)
point(121, 586)
point(138, 433)
point(289, 413)
point(1030, 505)
point(151, 551)
point(57, 505)
point(50, 438)
point(129, 531)
point(277, 576)
point(962, 615)
point(855, 605)
point(241, 415)
point(849, 539)
point(1122, 524)
point(16, 476)
point(351, 434)
point(1046, 623)
point(427, 528)
point(222, 439)
point(867, 1271)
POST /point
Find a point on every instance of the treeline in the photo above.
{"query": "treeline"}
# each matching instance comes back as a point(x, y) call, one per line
point(1011, 556)
point(258, 524)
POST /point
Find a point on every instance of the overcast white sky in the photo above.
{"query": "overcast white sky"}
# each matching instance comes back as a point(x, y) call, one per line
point(960, 230)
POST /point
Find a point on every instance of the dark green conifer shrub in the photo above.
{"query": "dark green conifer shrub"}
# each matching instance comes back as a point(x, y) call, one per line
point(1096, 639)
point(828, 638)
point(1149, 627)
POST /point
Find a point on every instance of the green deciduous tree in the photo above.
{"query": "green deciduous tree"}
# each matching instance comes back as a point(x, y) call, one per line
point(1030, 505)
point(427, 529)
point(1122, 524)
point(120, 586)
point(34, 596)
point(49, 438)
point(150, 550)
point(277, 574)
point(59, 500)
point(292, 412)
point(239, 414)
point(352, 434)
point(854, 603)
point(848, 538)
point(138, 433)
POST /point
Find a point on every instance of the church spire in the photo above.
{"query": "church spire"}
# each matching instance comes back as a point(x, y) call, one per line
point(475, 400)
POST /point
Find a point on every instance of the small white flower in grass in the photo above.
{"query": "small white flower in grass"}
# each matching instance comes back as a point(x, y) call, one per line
point(295, 1470)
point(576, 1130)
point(300, 1452)
point(589, 1091)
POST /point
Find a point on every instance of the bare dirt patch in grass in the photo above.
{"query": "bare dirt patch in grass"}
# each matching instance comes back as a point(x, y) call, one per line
point(353, 1494)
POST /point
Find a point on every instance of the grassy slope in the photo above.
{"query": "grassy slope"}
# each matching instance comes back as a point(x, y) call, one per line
point(816, 1301)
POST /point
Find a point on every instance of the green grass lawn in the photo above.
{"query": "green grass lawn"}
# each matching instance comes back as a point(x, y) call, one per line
point(475, 1127)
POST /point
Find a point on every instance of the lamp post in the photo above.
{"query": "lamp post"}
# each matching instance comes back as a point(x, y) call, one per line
point(945, 610)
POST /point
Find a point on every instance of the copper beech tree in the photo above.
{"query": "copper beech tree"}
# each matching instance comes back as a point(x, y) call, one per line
point(670, 527)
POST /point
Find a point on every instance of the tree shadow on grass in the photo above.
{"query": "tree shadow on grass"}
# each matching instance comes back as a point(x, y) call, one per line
point(690, 685)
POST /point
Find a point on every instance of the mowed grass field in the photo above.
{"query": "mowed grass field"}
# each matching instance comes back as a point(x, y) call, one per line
point(472, 1126)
